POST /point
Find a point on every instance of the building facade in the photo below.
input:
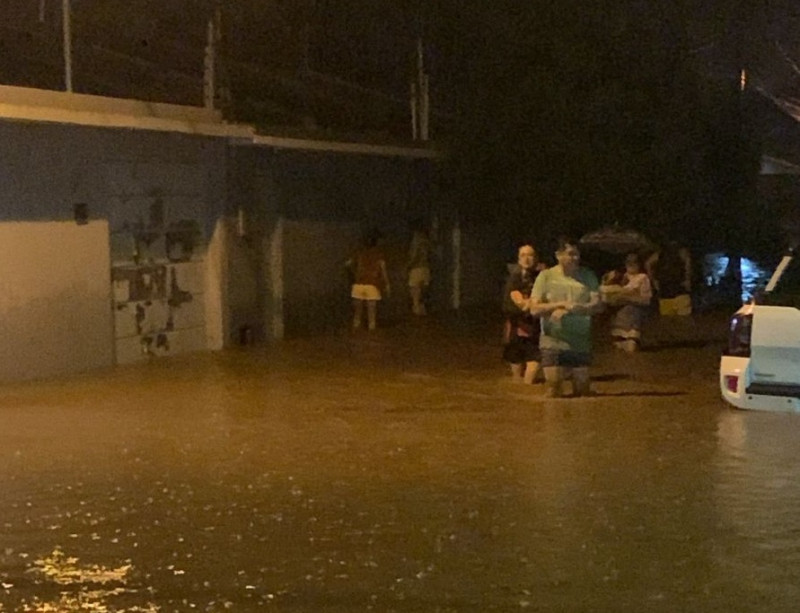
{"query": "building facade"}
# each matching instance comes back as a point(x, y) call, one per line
point(130, 230)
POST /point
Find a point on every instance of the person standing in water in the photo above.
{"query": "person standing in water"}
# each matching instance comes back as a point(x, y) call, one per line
point(630, 295)
point(521, 333)
point(565, 297)
point(419, 267)
point(370, 281)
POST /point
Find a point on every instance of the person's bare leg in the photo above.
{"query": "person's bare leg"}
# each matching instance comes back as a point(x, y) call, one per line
point(358, 308)
point(581, 385)
point(372, 313)
point(531, 370)
point(516, 373)
point(553, 379)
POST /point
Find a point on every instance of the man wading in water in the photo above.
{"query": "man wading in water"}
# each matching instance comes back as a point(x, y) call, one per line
point(565, 297)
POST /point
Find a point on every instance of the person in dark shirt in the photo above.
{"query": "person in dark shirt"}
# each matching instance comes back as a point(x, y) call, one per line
point(370, 281)
point(671, 273)
point(521, 333)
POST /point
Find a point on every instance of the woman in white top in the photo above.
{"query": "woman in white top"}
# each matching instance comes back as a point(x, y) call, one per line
point(632, 293)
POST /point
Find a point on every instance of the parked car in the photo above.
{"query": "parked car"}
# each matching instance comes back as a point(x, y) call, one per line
point(760, 368)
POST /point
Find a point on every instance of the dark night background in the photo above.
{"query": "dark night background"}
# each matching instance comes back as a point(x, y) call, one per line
point(557, 116)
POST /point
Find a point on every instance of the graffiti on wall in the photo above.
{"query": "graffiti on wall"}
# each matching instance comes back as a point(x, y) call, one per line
point(151, 295)
point(150, 252)
point(156, 239)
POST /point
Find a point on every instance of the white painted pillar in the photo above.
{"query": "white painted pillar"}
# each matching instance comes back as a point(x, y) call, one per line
point(420, 98)
point(413, 102)
point(66, 24)
point(456, 246)
point(425, 112)
point(276, 279)
point(210, 61)
point(216, 288)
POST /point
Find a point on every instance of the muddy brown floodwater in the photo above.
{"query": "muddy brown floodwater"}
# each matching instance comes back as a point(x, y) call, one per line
point(398, 471)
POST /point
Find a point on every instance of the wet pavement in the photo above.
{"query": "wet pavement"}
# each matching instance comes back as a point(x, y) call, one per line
point(396, 471)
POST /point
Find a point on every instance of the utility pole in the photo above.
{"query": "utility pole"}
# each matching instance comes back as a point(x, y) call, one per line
point(424, 100)
point(420, 98)
point(66, 23)
point(414, 102)
point(742, 185)
point(210, 59)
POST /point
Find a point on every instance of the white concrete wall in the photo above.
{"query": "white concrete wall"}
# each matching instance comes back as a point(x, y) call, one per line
point(216, 304)
point(55, 299)
point(234, 287)
point(159, 310)
point(241, 284)
point(142, 185)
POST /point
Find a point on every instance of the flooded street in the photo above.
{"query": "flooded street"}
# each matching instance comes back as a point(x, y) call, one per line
point(400, 471)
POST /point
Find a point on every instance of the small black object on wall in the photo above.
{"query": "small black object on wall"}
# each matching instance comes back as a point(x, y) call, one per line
point(80, 210)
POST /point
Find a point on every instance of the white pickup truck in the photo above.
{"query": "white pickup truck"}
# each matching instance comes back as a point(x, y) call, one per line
point(760, 368)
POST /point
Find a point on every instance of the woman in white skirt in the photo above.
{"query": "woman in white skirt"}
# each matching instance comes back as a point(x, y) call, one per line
point(370, 281)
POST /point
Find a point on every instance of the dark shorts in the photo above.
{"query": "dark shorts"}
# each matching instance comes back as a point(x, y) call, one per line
point(570, 359)
point(520, 350)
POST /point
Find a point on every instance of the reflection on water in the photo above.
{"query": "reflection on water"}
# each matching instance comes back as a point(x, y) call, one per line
point(80, 587)
point(753, 275)
point(757, 494)
point(390, 480)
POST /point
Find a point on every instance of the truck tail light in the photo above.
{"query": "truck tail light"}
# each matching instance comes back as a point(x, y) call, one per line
point(732, 383)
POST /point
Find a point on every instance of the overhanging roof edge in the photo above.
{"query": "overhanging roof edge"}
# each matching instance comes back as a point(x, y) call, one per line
point(22, 104)
point(771, 165)
point(332, 146)
point(23, 113)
